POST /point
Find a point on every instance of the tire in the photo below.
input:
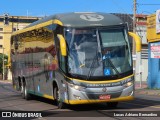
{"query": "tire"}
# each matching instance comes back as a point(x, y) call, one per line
point(22, 91)
point(59, 103)
point(25, 94)
point(112, 104)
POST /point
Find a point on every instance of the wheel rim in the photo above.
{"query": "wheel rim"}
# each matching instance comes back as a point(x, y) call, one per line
point(22, 88)
point(59, 103)
point(25, 91)
point(57, 94)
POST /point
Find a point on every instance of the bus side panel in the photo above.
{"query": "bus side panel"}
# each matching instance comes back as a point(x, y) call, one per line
point(27, 58)
point(44, 61)
point(34, 59)
point(18, 58)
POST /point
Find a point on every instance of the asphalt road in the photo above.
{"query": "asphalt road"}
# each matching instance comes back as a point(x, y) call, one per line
point(43, 109)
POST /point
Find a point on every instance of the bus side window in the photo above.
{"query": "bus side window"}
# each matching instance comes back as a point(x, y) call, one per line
point(61, 59)
point(62, 62)
point(131, 42)
point(59, 30)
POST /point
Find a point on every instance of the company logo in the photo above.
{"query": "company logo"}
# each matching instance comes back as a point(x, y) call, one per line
point(6, 114)
point(104, 89)
point(91, 17)
point(20, 114)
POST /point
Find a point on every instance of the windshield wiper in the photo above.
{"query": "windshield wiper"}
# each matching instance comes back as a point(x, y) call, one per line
point(109, 60)
point(92, 67)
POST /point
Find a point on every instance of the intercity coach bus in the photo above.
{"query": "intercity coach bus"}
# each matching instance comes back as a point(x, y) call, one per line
point(74, 58)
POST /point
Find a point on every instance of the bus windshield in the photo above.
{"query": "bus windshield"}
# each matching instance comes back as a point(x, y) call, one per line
point(98, 52)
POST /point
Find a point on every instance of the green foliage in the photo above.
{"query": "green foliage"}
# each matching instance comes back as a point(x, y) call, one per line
point(1, 61)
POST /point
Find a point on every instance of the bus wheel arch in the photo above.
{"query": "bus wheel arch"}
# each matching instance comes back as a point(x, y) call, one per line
point(56, 94)
point(20, 86)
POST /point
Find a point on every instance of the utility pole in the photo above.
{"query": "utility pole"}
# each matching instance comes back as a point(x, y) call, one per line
point(134, 15)
point(137, 62)
point(134, 31)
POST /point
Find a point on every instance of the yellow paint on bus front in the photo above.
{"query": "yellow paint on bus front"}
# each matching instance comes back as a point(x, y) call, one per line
point(55, 21)
point(74, 102)
point(100, 81)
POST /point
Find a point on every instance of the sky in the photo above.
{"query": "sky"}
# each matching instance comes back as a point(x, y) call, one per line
point(49, 7)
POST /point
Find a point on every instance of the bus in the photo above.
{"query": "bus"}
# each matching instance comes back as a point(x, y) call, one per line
point(74, 58)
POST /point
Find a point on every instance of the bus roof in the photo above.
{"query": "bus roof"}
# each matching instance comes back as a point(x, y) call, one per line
point(77, 19)
point(82, 19)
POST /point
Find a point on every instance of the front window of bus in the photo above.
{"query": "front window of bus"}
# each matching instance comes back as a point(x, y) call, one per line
point(94, 53)
point(116, 54)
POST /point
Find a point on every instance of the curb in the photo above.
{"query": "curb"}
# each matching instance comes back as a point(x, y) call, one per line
point(150, 92)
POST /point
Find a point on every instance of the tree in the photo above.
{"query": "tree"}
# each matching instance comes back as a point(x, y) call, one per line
point(1, 61)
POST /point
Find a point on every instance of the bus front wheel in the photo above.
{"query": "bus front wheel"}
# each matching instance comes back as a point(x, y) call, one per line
point(59, 103)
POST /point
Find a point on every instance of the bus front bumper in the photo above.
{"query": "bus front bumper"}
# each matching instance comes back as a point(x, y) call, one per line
point(91, 96)
point(120, 99)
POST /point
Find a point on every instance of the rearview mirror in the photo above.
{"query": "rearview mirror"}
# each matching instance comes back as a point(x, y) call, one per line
point(137, 40)
point(62, 45)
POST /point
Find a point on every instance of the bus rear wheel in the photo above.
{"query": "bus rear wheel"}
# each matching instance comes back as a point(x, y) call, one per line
point(22, 91)
point(112, 104)
point(59, 103)
point(25, 94)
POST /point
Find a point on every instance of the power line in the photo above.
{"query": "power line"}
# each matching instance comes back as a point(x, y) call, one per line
point(117, 4)
point(134, 15)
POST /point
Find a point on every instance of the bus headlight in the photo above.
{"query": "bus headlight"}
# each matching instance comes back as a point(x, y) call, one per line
point(77, 87)
point(128, 84)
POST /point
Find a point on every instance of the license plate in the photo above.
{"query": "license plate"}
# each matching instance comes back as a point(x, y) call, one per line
point(105, 97)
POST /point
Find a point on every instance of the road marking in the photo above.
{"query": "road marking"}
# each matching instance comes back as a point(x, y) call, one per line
point(148, 101)
point(142, 105)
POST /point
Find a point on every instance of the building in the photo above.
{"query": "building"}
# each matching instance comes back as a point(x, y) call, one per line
point(127, 18)
point(141, 30)
point(153, 37)
point(9, 24)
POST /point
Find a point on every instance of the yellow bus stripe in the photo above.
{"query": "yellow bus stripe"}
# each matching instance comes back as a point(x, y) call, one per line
point(39, 26)
point(41, 95)
point(74, 102)
point(100, 81)
point(48, 97)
